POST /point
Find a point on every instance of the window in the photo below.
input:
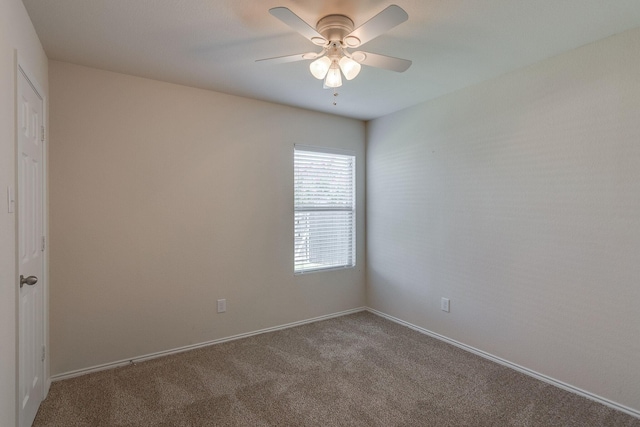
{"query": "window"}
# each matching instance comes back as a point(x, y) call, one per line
point(325, 209)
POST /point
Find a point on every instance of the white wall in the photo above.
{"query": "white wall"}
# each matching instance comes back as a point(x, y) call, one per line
point(165, 198)
point(519, 199)
point(16, 33)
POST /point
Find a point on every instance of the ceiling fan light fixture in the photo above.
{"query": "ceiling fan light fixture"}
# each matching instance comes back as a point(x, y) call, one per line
point(352, 41)
point(319, 67)
point(318, 41)
point(349, 67)
point(358, 56)
point(334, 78)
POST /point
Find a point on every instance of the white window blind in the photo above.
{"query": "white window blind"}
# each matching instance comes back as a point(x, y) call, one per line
point(325, 204)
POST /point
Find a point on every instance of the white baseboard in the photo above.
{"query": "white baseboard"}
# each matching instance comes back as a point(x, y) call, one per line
point(150, 356)
point(496, 359)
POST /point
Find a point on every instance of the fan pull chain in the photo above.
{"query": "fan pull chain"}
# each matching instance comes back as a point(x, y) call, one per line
point(335, 96)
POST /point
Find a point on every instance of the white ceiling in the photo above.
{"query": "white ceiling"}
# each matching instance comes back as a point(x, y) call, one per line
point(213, 44)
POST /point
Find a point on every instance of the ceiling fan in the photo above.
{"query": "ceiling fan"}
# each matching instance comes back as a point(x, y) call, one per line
point(336, 35)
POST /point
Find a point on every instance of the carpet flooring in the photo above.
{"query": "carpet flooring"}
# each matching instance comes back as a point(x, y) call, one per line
point(355, 370)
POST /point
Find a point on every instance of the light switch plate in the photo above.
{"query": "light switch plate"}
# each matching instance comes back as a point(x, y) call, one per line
point(444, 304)
point(11, 200)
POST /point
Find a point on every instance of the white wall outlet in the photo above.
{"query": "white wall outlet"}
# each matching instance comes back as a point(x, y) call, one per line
point(444, 304)
point(222, 305)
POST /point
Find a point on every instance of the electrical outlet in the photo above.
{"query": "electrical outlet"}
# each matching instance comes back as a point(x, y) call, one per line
point(444, 304)
point(222, 305)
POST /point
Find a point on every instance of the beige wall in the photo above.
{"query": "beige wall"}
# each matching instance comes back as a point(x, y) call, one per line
point(16, 34)
point(519, 199)
point(166, 198)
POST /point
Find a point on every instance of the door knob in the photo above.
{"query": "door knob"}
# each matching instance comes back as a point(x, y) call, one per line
point(31, 280)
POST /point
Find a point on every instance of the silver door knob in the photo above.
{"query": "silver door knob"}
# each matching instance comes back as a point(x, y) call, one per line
point(31, 280)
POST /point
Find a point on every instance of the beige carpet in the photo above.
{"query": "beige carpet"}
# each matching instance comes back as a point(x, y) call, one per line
point(356, 370)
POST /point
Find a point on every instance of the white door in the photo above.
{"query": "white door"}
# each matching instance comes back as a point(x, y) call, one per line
point(30, 250)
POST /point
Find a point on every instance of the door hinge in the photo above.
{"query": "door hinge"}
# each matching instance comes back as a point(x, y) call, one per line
point(44, 352)
point(43, 244)
point(42, 136)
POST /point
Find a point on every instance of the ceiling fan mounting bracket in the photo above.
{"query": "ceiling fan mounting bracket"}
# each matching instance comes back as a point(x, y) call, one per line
point(334, 27)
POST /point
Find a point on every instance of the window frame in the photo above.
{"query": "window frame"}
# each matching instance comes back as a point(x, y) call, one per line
point(351, 247)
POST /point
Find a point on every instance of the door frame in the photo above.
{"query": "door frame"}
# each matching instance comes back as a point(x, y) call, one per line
point(22, 68)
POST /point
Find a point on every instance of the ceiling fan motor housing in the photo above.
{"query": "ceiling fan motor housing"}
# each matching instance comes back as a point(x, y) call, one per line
point(334, 27)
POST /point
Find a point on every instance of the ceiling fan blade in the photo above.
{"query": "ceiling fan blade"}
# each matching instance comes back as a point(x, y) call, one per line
point(379, 24)
point(295, 22)
point(381, 61)
point(290, 58)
